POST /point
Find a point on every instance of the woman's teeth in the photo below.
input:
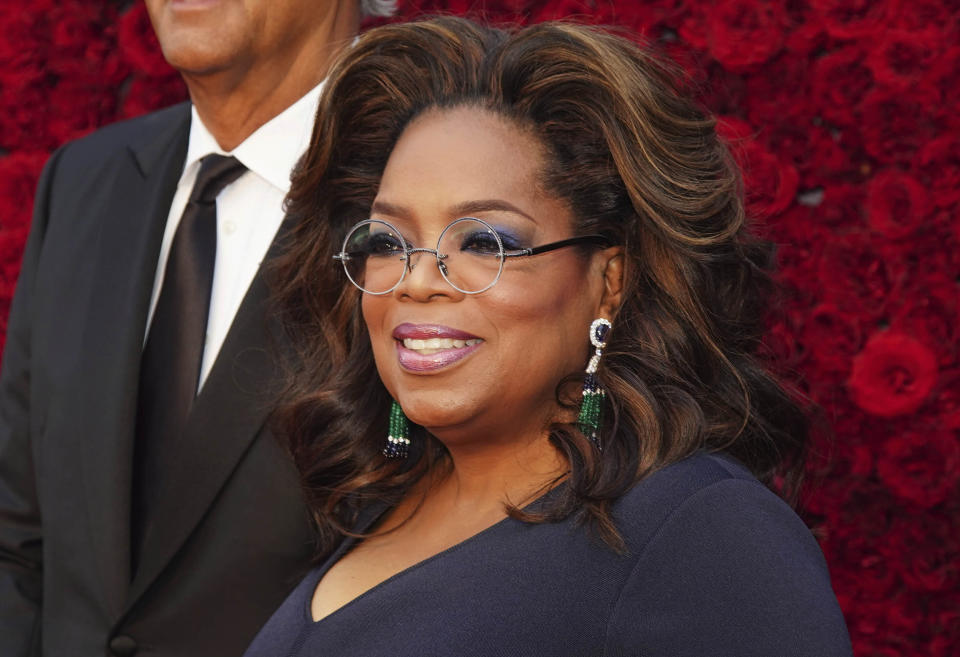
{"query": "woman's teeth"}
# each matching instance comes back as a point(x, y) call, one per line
point(433, 345)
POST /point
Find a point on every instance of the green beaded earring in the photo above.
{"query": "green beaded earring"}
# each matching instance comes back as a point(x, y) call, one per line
point(591, 408)
point(398, 440)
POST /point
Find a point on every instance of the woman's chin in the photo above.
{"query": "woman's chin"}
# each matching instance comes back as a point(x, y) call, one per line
point(438, 419)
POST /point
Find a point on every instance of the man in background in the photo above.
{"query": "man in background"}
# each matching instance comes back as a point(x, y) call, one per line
point(144, 507)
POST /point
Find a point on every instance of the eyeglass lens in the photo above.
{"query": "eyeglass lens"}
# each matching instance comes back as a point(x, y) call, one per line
point(470, 256)
point(474, 255)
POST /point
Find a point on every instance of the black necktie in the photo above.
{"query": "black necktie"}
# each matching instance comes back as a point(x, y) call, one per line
point(170, 366)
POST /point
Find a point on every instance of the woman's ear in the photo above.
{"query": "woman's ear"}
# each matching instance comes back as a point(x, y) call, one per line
point(613, 279)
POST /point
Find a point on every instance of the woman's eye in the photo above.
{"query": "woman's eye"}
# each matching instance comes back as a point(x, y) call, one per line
point(382, 244)
point(483, 242)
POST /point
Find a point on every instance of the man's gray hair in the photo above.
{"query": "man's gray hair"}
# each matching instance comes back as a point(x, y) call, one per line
point(378, 8)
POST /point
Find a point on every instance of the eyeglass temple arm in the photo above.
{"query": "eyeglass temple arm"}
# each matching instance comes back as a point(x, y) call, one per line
point(597, 240)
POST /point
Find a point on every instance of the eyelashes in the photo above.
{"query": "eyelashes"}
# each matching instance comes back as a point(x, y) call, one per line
point(511, 240)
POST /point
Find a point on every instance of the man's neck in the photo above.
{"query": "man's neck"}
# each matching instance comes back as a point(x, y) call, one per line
point(233, 104)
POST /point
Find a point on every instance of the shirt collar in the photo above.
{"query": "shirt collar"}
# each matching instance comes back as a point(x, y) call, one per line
point(272, 151)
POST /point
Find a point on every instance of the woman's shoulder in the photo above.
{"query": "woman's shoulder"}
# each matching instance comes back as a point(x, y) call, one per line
point(715, 488)
point(712, 546)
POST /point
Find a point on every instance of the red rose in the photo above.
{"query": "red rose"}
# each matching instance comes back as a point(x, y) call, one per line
point(832, 338)
point(12, 241)
point(930, 541)
point(138, 44)
point(18, 180)
point(930, 312)
point(945, 623)
point(852, 19)
point(945, 76)
point(508, 9)
point(23, 122)
point(896, 204)
point(69, 39)
point(840, 206)
point(894, 125)
point(693, 29)
point(948, 400)
point(693, 63)
point(800, 243)
point(770, 183)
point(885, 626)
point(742, 34)
point(822, 160)
point(904, 56)
point(76, 109)
point(774, 99)
point(938, 165)
point(893, 375)
point(840, 80)
point(922, 466)
point(83, 37)
point(23, 79)
point(649, 14)
point(780, 342)
point(807, 34)
point(552, 11)
point(860, 573)
point(24, 47)
point(853, 274)
point(583, 10)
point(835, 469)
point(921, 14)
point(734, 130)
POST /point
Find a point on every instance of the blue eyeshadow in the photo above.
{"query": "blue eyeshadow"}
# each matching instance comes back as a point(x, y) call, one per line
point(509, 238)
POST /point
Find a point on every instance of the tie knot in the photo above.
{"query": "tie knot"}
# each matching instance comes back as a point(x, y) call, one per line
point(216, 172)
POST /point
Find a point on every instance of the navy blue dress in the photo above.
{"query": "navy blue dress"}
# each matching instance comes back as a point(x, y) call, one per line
point(716, 565)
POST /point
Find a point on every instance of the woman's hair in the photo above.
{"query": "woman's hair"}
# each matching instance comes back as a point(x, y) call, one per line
point(636, 160)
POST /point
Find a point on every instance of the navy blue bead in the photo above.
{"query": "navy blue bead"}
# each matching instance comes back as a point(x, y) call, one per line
point(601, 332)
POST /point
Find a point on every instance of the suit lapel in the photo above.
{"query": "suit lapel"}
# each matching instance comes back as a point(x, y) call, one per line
point(134, 217)
point(230, 411)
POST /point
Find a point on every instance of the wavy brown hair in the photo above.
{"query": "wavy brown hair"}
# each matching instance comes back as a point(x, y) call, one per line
point(637, 161)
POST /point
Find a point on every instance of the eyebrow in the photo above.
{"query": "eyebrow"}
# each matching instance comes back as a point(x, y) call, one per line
point(489, 205)
point(383, 207)
point(466, 208)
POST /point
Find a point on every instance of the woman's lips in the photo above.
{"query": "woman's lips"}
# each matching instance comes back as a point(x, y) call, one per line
point(424, 347)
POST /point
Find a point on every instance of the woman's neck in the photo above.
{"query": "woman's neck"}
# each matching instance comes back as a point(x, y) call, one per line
point(485, 476)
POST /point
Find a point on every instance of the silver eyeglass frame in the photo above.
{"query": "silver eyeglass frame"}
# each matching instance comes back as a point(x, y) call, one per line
point(343, 256)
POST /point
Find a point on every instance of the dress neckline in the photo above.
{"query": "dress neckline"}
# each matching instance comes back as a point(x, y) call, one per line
point(364, 523)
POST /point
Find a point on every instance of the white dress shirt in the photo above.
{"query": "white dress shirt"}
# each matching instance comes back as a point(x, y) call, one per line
point(249, 210)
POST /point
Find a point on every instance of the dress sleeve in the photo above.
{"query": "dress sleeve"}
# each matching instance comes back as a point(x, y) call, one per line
point(21, 539)
point(731, 572)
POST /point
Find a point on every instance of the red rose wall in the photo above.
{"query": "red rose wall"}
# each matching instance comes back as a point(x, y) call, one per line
point(844, 115)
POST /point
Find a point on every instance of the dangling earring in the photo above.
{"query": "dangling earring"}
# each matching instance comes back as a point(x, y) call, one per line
point(591, 408)
point(398, 440)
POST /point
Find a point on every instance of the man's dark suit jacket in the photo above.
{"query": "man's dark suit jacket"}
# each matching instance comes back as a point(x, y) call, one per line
point(234, 536)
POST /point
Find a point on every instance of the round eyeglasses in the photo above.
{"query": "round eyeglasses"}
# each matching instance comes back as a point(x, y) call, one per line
point(469, 254)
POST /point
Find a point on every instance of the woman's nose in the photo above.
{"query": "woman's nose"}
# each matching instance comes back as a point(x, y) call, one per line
point(423, 279)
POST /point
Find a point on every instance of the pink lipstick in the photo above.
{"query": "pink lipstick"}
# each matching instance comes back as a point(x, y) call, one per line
point(427, 347)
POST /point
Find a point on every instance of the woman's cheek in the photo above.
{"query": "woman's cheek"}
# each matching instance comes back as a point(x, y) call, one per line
point(373, 310)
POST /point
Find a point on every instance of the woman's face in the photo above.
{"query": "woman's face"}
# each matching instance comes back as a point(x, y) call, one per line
point(497, 356)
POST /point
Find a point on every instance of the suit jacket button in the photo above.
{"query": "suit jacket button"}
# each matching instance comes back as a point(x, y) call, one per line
point(123, 646)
